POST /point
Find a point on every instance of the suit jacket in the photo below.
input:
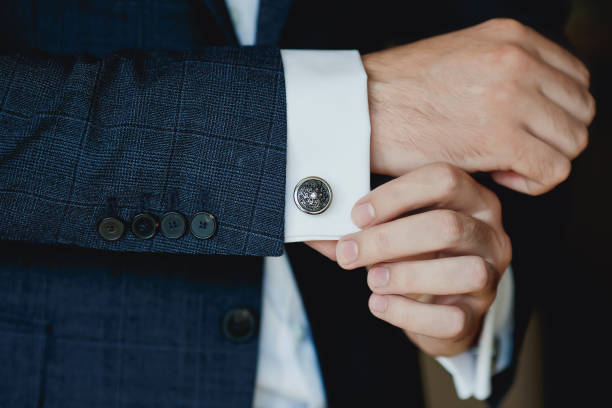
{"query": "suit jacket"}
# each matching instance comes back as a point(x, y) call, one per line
point(111, 108)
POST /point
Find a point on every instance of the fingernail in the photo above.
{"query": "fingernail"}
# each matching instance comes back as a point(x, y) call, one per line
point(378, 303)
point(378, 276)
point(347, 252)
point(363, 214)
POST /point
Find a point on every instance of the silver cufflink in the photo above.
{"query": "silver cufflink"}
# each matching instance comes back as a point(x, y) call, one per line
point(312, 195)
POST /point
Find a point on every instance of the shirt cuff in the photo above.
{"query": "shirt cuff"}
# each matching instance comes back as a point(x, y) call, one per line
point(473, 369)
point(328, 136)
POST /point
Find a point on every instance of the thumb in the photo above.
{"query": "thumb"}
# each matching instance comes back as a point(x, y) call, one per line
point(327, 248)
point(520, 183)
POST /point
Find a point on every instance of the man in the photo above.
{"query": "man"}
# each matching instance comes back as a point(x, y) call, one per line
point(177, 151)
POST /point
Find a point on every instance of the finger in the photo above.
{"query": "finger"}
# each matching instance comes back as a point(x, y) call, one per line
point(453, 346)
point(557, 56)
point(326, 248)
point(542, 166)
point(547, 50)
point(428, 232)
point(514, 181)
point(552, 124)
point(439, 184)
point(566, 92)
point(439, 321)
point(443, 276)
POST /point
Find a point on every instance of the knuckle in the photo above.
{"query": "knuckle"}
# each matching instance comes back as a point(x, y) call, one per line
point(494, 204)
point(479, 277)
point(546, 169)
point(581, 139)
point(561, 170)
point(507, 26)
point(511, 59)
point(505, 250)
point(584, 73)
point(448, 177)
point(457, 322)
point(591, 107)
point(451, 226)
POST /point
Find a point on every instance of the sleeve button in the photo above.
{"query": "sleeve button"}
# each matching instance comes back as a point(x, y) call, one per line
point(144, 226)
point(111, 228)
point(172, 225)
point(203, 225)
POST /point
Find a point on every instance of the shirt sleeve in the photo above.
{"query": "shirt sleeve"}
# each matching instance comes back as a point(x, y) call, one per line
point(472, 370)
point(328, 136)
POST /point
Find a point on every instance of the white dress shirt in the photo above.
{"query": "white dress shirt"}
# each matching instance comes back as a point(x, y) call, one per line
point(328, 136)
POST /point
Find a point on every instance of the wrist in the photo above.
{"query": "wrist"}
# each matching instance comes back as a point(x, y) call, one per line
point(392, 148)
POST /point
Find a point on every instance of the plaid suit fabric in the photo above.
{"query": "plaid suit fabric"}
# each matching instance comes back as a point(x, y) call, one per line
point(197, 128)
point(84, 329)
point(205, 127)
point(177, 121)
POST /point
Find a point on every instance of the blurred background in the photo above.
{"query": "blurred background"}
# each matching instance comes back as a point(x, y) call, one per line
point(565, 359)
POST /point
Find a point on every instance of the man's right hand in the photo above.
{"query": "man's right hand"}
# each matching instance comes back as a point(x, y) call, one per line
point(497, 97)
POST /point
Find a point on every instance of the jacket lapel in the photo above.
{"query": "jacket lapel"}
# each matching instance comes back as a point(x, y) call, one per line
point(219, 11)
point(271, 21)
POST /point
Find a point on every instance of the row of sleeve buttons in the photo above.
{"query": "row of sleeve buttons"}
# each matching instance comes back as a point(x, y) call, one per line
point(172, 225)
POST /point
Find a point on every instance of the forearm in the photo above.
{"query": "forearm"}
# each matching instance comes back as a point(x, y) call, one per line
point(153, 133)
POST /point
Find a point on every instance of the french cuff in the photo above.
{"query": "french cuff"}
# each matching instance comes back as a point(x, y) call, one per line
point(473, 369)
point(328, 142)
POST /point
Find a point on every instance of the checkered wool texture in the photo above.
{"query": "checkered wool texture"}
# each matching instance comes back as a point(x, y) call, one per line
point(206, 126)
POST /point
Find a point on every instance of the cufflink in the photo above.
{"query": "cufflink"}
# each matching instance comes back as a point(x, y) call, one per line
point(312, 195)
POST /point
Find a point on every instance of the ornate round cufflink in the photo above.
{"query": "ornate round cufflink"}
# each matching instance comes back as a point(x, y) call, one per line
point(312, 195)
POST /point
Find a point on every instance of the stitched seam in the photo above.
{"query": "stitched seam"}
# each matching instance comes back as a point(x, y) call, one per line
point(174, 133)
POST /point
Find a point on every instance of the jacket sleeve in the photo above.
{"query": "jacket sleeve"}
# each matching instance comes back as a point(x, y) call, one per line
point(83, 138)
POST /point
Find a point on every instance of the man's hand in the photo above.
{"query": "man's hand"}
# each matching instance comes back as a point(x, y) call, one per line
point(434, 273)
point(496, 97)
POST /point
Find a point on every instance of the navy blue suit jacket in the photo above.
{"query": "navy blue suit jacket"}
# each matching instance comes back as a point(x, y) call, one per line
point(117, 107)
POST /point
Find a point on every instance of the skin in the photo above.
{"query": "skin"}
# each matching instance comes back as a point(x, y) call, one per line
point(433, 273)
point(498, 98)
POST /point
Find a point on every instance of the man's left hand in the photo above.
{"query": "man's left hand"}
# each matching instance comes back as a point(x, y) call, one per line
point(434, 272)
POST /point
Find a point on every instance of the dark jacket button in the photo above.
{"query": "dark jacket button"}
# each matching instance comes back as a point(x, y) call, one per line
point(111, 228)
point(172, 225)
point(144, 226)
point(203, 225)
point(239, 324)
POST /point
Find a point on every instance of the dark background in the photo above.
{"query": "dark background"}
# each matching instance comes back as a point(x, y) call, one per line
point(575, 305)
point(566, 358)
